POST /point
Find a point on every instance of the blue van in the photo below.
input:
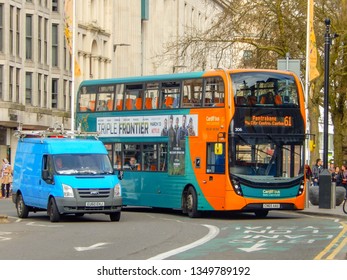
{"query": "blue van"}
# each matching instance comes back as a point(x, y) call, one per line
point(65, 176)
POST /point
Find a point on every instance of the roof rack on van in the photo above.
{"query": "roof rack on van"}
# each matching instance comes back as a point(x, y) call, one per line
point(57, 131)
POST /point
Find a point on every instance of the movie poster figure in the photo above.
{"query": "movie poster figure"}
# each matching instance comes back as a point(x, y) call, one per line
point(164, 131)
point(171, 133)
point(182, 132)
point(191, 131)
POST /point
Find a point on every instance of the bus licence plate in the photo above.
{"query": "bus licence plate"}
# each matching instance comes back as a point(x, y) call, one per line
point(95, 204)
point(271, 206)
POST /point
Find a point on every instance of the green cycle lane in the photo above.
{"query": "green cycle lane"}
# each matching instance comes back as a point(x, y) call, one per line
point(278, 237)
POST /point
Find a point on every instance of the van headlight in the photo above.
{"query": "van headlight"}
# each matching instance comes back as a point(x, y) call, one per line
point(117, 190)
point(68, 191)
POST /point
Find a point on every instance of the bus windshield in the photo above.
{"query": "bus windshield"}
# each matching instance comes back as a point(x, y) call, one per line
point(265, 157)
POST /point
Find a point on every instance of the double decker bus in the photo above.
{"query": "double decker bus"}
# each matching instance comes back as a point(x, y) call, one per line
point(218, 140)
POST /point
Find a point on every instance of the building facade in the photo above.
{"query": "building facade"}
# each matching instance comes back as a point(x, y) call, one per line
point(113, 38)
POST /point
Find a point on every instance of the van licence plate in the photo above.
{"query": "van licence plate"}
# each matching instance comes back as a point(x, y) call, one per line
point(95, 204)
point(271, 206)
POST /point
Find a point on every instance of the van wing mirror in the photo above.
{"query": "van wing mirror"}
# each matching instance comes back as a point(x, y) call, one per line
point(47, 176)
point(120, 174)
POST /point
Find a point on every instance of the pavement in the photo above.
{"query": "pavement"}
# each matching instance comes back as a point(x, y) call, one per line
point(336, 211)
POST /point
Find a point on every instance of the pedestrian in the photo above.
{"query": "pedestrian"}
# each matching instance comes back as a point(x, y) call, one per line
point(308, 172)
point(316, 170)
point(344, 176)
point(6, 178)
point(337, 177)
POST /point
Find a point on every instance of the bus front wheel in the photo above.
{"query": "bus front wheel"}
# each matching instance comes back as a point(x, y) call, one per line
point(261, 213)
point(191, 204)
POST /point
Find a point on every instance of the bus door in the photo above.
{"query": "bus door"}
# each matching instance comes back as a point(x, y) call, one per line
point(213, 180)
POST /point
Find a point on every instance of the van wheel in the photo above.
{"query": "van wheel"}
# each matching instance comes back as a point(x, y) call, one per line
point(22, 209)
point(53, 212)
point(115, 217)
point(192, 203)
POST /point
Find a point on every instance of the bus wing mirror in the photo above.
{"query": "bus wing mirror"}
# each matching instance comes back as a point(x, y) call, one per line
point(120, 174)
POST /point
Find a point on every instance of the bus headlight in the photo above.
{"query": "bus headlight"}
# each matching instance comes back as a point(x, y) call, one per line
point(117, 190)
point(68, 191)
point(237, 187)
point(301, 187)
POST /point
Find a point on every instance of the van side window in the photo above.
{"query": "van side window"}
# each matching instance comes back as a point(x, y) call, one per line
point(47, 169)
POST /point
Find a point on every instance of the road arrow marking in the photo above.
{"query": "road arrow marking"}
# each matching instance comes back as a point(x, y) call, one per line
point(92, 247)
point(255, 247)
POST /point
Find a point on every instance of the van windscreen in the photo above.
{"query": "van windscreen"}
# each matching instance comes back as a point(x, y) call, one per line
point(82, 164)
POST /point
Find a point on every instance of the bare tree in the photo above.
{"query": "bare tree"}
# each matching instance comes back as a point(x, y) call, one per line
point(258, 32)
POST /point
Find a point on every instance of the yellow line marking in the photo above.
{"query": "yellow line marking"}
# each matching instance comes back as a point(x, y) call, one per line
point(337, 250)
point(333, 243)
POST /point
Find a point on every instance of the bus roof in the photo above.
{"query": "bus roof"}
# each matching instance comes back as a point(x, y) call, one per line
point(175, 76)
point(151, 78)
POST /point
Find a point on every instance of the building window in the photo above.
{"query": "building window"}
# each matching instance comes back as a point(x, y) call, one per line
point(66, 94)
point(45, 90)
point(18, 32)
point(45, 46)
point(10, 90)
point(55, 5)
point(11, 30)
point(1, 80)
point(1, 26)
point(55, 45)
point(28, 88)
point(28, 36)
point(39, 49)
point(39, 89)
point(17, 84)
point(54, 93)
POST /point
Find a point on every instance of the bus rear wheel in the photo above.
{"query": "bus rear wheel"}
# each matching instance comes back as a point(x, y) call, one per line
point(191, 203)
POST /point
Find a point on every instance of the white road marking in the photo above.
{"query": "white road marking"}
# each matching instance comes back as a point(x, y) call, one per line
point(255, 247)
point(213, 232)
point(41, 225)
point(92, 247)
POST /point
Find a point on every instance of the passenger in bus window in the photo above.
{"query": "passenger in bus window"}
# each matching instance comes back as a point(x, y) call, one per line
point(102, 106)
point(133, 165)
point(268, 98)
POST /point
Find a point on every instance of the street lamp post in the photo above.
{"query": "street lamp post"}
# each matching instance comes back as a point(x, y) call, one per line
point(326, 91)
point(326, 191)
